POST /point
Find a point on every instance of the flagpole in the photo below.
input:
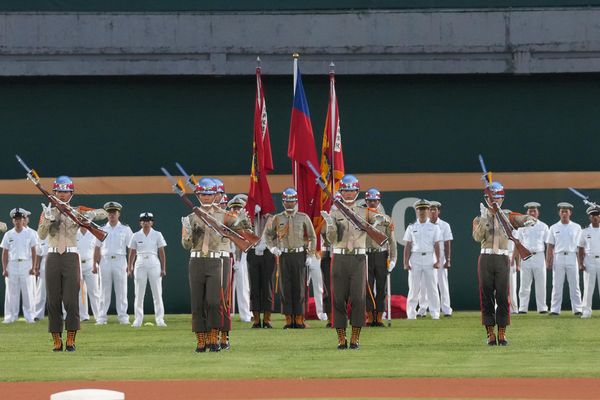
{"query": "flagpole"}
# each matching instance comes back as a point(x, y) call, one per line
point(257, 227)
point(332, 122)
point(295, 56)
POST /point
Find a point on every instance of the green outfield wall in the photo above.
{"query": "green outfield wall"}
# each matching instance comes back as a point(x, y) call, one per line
point(459, 208)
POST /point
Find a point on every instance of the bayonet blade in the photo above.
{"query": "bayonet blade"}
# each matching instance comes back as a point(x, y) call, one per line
point(188, 178)
point(584, 197)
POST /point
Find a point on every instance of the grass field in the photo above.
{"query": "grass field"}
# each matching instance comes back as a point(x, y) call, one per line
point(540, 346)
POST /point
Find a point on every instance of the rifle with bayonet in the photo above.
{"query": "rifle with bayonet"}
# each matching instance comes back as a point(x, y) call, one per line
point(584, 198)
point(244, 240)
point(64, 208)
point(499, 213)
point(360, 223)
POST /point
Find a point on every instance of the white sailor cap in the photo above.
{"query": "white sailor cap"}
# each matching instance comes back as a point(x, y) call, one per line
point(18, 212)
point(532, 204)
point(422, 203)
point(592, 210)
point(112, 206)
point(146, 216)
point(564, 204)
point(435, 204)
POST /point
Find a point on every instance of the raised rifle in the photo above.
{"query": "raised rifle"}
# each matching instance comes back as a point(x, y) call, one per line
point(239, 239)
point(64, 208)
point(360, 223)
point(499, 213)
point(584, 198)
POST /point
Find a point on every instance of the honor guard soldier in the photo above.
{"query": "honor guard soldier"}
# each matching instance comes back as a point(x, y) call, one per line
point(561, 258)
point(90, 287)
point(349, 265)
point(18, 264)
point(147, 263)
point(62, 265)
point(421, 259)
point(111, 256)
point(381, 261)
point(291, 237)
point(241, 287)
point(207, 261)
point(589, 259)
point(494, 265)
point(534, 268)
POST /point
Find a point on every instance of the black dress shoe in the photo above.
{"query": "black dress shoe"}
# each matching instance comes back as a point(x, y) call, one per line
point(214, 348)
point(342, 346)
point(256, 325)
point(70, 349)
point(225, 346)
point(300, 326)
point(492, 342)
point(201, 349)
point(543, 312)
point(267, 325)
point(328, 325)
point(578, 313)
point(354, 346)
point(554, 314)
point(522, 312)
point(447, 315)
point(503, 342)
point(288, 326)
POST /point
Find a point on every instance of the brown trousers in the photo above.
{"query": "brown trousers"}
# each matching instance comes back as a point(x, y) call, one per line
point(494, 278)
point(62, 287)
point(260, 276)
point(377, 266)
point(293, 282)
point(206, 293)
point(348, 278)
point(326, 273)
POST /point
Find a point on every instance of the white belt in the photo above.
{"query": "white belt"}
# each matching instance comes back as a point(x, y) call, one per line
point(209, 254)
point(497, 252)
point(370, 251)
point(422, 253)
point(113, 256)
point(67, 250)
point(349, 252)
point(20, 260)
point(324, 248)
point(85, 261)
point(564, 253)
point(147, 256)
point(292, 250)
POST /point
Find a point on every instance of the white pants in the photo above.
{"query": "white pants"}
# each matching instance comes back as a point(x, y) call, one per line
point(442, 282)
point(18, 285)
point(144, 273)
point(422, 277)
point(533, 269)
point(90, 290)
point(316, 277)
point(39, 292)
point(590, 275)
point(113, 271)
point(242, 290)
point(565, 265)
point(514, 301)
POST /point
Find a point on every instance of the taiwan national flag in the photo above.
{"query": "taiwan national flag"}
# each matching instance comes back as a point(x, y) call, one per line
point(301, 149)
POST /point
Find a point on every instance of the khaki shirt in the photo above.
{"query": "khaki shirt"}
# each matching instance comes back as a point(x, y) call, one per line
point(343, 234)
point(195, 241)
point(486, 228)
point(291, 231)
point(63, 225)
point(387, 227)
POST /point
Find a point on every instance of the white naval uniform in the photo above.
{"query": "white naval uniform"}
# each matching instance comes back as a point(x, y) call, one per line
point(147, 269)
point(423, 237)
point(534, 268)
point(113, 270)
point(242, 288)
point(39, 292)
point(442, 275)
point(590, 242)
point(512, 283)
point(316, 277)
point(565, 238)
point(90, 282)
point(18, 283)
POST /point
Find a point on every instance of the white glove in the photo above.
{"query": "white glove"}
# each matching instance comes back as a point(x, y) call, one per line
point(311, 260)
point(530, 222)
point(236, 265)
point(259, 250)
point(46, 209)
point(327, 217)
point(185, 222)
point(3, 227)
point(90, 215)
point(378, 219)
point(391, 267)
point(257, 209)
point(276, 251)
point(483, 210)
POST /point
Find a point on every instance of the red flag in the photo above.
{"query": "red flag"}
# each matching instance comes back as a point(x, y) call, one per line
point(332, 157)
point(262, 160)
point(301, 149)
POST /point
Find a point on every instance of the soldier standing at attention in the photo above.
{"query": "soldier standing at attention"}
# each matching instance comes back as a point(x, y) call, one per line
point(62, 264)
point(349, 266)
point(561, 258)
point(86, 244)
point(494, 265)
point(589, 259)
point(291, 237)
point(381, 261)
point(445, 256)
point(111, 255)
point(533, 269)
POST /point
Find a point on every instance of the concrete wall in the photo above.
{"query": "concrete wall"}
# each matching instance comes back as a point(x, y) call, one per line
point(514, 41)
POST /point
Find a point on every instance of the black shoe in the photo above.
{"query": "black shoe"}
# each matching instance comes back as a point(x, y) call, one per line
point(491, 342)
point(300, 326)
point(447, 315)
point(328, 325)
point(543, 312)
point(354, 346)
point(503, 342)
point(343, 346)
point(201, 349)
point(578, 313)
point(267, 325)
point(36, 319)
point(214, 348)
point(288, 326)
point(70, 349)
point(225, 346)
point(554, 314)
point(58, 350)
point(378, 324)
point(421, 316)
point(256, 325)
point(522, 312)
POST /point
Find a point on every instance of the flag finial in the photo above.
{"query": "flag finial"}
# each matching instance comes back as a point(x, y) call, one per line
point(331, 68)
point(296, 55)
point(257, 62)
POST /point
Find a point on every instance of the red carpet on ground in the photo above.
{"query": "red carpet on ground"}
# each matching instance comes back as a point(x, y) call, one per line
point(398, 307)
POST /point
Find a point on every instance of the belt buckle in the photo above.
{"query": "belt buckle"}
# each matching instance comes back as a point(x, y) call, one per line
point(565, 253)
point(113, 257)
point(423, 254)
point(83, 261)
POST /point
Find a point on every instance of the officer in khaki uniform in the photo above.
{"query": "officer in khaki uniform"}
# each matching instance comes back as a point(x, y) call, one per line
point(62, 264)
point(291, 237)
point(381, 261)
point(349, 266)
point(494, 265)
point(208, 255)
